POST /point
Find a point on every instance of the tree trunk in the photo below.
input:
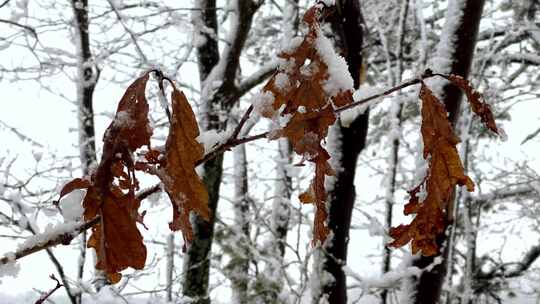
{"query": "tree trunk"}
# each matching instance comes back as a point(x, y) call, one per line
point(86, 83)
point(239, 264)
point(429, 285)
point(349, 32)
point(217, 103)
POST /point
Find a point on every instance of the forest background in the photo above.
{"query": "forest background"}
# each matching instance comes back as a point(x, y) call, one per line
point(65, 65)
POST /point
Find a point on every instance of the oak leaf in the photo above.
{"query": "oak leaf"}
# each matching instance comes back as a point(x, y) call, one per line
point(307, 87)
point(478, 105)
point(445, 171)
point(184, 187)
point(111, 187)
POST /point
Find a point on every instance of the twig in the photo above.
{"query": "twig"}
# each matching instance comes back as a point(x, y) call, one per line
point(228, 145)
point(409, 83)
point(25, 27)
point(129, 31)
point(162, 97)
point(531, 136)
point(241, 123)
point(44, 297)
point(21, 135)
point(4, 3)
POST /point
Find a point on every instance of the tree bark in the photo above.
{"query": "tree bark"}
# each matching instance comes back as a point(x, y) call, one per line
point(430, 283)
point(240, 260)
point(197, 258)
point(86, 82)
point(348, 28)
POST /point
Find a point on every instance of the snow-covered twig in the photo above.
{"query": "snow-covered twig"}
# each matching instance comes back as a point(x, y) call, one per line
point(43, 241)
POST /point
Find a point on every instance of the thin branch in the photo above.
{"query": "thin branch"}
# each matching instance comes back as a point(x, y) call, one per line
point(21, 135)
point(63, 239)
point(129, 31)
point(44, 297)
point(510, 270)
point(256, 78)
point(162, 96)
point(25, 27)
point(4, 3)
point(385, 93)
point(531, 136)
point(245, 10)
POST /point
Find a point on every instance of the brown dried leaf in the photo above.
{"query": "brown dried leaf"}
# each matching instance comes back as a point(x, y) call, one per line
point(184, 187)
point(444, 173)
point(478, 105)
point(116, 239)
point(77, 183)
point(111, 188)
point(298, 88)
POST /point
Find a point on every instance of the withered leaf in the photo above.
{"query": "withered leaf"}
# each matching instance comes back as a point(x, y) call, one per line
point(75, 184)
point(299, 88)
point(445, 171)
point(111, 188)
point(478, 105)
point(184, 187)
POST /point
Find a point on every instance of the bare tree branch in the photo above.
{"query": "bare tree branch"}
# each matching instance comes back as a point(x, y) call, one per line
point(25, 27)
point(44, 297)
point(531, 136)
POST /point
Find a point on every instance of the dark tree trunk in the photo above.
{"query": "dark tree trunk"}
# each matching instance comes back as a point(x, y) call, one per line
point(197, 258)
point(86, 83)
point(348, 29)
point(429, 286)
point(196, 262)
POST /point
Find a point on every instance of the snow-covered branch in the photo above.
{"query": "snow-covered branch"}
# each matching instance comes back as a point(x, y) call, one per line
point(61, 234)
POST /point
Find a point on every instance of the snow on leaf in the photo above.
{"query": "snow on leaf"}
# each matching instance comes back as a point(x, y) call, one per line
point(184, 187)
point(311, 80)
point(444, 173)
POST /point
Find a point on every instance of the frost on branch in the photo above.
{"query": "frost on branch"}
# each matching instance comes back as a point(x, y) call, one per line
point(311, 81)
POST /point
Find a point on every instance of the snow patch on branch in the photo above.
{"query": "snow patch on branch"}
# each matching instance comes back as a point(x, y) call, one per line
point(70, 229)
point(71, 205)
point(213, 138)
point(442, 62)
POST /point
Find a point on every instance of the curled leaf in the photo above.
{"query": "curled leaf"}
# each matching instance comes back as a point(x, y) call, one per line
point(478, 105)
